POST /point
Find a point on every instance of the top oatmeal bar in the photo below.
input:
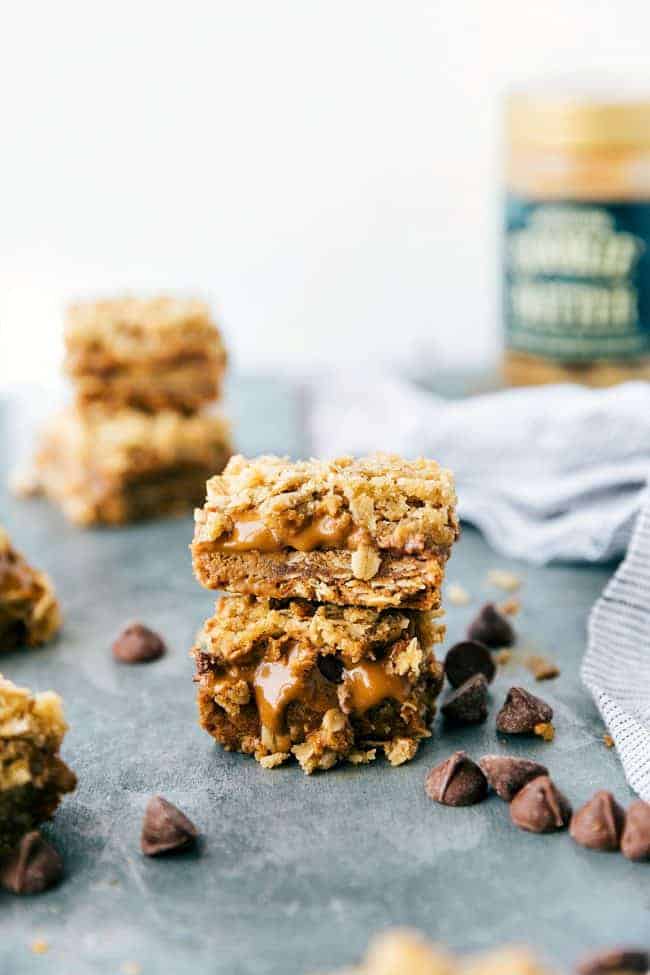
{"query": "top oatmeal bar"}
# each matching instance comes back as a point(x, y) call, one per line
point(151, 353)
point(374, 531)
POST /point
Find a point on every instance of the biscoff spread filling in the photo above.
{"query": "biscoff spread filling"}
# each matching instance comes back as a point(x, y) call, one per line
point(250, 534)
point(367, 506)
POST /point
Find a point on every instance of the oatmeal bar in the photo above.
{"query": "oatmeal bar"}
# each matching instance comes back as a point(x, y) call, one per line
point(406, 952)
point(113, 467)
point(324, 683)
point(29, 611)
point(371, 532)
point(33, 777)
point(160, 353)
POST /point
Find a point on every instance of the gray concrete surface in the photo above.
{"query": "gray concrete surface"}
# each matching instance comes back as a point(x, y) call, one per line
point(293, 874)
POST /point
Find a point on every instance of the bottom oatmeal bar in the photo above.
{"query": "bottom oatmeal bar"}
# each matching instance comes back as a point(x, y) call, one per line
point(33, 777)
point(323, 683)
point(112, 467)
point(29, 611)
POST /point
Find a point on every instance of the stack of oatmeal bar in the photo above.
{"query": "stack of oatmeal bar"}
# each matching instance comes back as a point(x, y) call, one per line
point(324, 647)
point(139, 439)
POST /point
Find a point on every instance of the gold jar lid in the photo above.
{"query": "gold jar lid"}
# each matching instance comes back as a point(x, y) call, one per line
point(575, 120)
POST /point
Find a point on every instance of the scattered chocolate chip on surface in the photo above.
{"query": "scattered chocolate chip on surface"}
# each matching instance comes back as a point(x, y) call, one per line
point(614, 960)
point(599, 823)
point(165, 828)
point(466, 659)
point(522, 713)
point(507, 775)
point(468, 703)
point(540, 807)
point(541, 667)
point(458, 781)
point(635, 841)
point(34, 866)
point(491, 628)
point(137, 644)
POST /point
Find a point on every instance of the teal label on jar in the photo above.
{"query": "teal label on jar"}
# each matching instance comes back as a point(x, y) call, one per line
point(577, 279)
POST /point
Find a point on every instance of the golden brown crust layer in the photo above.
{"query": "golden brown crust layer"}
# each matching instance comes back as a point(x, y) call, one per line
point(151, 354)
point(112, 467)
point(29, 611)
point(123, 331)
point(184, 386)
point(321, 683)
point(392, 504)
point(242, 624)
point(401, 581)
point(33, 777)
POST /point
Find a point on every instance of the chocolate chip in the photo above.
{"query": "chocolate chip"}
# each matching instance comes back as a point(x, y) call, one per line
point(165, 828)
point(522, 712)
point(614, 960)
point(599, 823)
point(635, 842)
point(508, 775)
point(34, 866)
point(465, 659)
point(331, 668)
point(540, 807)
point(468, 703)
point(138, 644)
point(456, 782)
point(491, 628)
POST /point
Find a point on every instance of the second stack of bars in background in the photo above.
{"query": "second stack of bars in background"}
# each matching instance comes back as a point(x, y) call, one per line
point(325, 649)
point(141, 437)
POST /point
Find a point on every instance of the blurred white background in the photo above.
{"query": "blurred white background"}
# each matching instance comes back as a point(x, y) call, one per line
point(325, 171)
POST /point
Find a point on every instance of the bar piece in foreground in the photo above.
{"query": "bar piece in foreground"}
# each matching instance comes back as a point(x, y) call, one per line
point(323, 683)
point(403, 951)
point(372, 532)
point(29, 611)
point(111, 467)
point(151, 354)
point(33, 777)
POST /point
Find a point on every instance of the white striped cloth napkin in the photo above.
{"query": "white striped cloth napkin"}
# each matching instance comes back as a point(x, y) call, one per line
point(619, 630)
point(558, 472)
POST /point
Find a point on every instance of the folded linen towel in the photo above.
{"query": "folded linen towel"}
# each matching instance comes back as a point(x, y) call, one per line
point(558, 472)
point(554, 472)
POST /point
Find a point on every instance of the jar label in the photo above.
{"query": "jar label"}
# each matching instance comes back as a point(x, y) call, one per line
point(577, 279)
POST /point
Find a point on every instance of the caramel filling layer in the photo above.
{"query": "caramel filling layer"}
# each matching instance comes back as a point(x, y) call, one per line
point(250, 534)
point(369, 684)
point(276, 685)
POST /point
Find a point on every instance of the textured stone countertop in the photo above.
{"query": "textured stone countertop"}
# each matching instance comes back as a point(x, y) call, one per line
point(293, 874)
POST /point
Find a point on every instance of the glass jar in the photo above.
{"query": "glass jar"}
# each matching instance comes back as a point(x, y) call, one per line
point(576, 291)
